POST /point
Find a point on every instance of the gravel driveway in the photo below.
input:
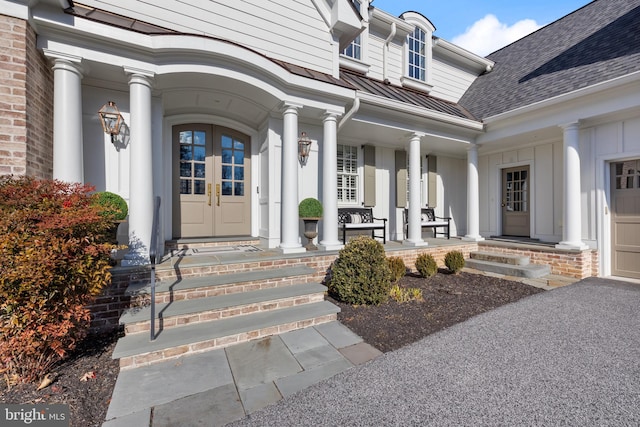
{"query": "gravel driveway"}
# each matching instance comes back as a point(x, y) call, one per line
point(570, 356)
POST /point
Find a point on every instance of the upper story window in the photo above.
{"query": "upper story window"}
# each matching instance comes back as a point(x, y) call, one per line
point(354, 50)
point(417, 54)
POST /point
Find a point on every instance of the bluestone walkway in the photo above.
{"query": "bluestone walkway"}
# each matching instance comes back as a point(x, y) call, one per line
point(566, 357)
point(220, 386)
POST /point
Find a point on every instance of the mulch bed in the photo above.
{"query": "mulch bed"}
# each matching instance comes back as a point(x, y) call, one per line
point(88, 400)
point(447, 299)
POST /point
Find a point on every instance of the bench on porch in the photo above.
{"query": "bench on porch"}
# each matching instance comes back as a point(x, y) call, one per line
point(360, 219)
point(428, 219)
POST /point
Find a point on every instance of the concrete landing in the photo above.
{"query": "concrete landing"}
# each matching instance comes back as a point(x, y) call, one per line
point(220, 386)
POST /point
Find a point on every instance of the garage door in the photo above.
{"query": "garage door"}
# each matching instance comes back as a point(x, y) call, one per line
point(625, 218)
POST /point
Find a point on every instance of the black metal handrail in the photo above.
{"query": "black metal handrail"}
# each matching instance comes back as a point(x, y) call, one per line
point(153, 252)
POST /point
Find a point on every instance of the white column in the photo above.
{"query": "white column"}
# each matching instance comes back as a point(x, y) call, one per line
point(289, 221)
point(67, 121)
point(572, 214)
point(473, 196)
point(330, 183)
point(414, 236)
point(141, 169)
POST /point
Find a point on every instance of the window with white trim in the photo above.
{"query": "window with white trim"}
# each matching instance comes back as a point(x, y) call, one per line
point(354, 50)
point(417, 66)
point(347, 174)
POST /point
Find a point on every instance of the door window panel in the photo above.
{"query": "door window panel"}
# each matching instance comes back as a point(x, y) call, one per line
point(516, 195)
point(192, 162)
point(232, 170)
point(627, 175)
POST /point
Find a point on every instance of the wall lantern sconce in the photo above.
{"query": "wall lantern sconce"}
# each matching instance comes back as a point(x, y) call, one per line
point(111, 120)
point(304, 146)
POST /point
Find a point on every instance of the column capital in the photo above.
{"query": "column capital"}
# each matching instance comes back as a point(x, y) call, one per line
point(138, 76)
point(472, 147)
point(71, 65)
point(290, 107)
point(570, 126)
point(331, 115)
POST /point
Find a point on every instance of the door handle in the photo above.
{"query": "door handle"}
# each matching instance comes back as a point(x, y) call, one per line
point(209, 193)
point(504, 204)
point(218, 194)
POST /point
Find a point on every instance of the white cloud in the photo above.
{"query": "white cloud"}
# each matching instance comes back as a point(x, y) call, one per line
point(489, 34)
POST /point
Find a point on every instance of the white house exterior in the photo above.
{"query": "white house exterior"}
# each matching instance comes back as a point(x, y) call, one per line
point(215, 97)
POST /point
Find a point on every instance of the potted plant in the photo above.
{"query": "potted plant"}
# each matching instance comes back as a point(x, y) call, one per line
point(114, 207)
point(310, 211)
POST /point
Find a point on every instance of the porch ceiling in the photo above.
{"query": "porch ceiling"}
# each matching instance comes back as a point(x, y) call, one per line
point(195, 93)
point(363, 131)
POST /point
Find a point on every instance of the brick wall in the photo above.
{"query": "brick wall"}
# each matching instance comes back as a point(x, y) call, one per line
point(26, 103)
point(577, 264)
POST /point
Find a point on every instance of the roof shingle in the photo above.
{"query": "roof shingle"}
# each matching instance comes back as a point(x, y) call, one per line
point(596, 43)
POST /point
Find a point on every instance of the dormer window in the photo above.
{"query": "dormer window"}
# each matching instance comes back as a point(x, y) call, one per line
point(355, 49)
point(354, 57)
point(417, 54)
point(417, 74)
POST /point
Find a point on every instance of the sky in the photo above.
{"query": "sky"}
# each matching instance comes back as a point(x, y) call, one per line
point(484, 26)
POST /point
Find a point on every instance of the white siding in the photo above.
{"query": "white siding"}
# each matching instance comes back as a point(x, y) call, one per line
point(452, 193)
point(450, 81)
point(545, 162)
point(289, 30)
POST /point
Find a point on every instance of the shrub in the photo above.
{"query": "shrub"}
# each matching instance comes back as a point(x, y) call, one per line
point(397, 267)
point(426, 265)
point(310, 208)
point(360, 274)
point(405, 294)
point(53, 264)
point(114, 207)
point(454, 261)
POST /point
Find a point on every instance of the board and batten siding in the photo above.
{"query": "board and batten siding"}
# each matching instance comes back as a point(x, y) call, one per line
point(288, 30)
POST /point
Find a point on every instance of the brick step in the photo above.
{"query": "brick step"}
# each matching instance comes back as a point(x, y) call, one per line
point(137, 350)
point(221, 284)
point(500, 258)
point(529, 271)
point(182, 312)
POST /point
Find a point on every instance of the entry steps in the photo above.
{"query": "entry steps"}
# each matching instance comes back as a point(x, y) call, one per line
point(507, 264)
point(206, 312)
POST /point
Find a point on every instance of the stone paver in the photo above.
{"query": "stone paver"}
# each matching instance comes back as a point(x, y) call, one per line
point(294, 383)
point(215, 407)
point(256, 398)
point(360, 353)
point(257, 362)
point(141, 388)
point(338, 335)
point(140, 418)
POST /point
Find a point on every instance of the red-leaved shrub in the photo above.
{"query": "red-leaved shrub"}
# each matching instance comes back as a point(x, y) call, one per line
point(55, 259)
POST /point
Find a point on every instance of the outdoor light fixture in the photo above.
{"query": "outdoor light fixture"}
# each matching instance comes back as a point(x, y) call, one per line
point(111, 120)
point(304, 146)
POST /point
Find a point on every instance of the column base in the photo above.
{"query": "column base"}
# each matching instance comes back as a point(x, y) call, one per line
point(414, 243)
point(471, 238)
point(292, 249)
point(330, 246)
point(580, 246)
point(135, 258)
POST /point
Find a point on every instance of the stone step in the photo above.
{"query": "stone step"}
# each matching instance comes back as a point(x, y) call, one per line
point(209, 243)
point(529, 271)
point(221, 284)
point(500, 258)
point(182, 312)
point(137, 350)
